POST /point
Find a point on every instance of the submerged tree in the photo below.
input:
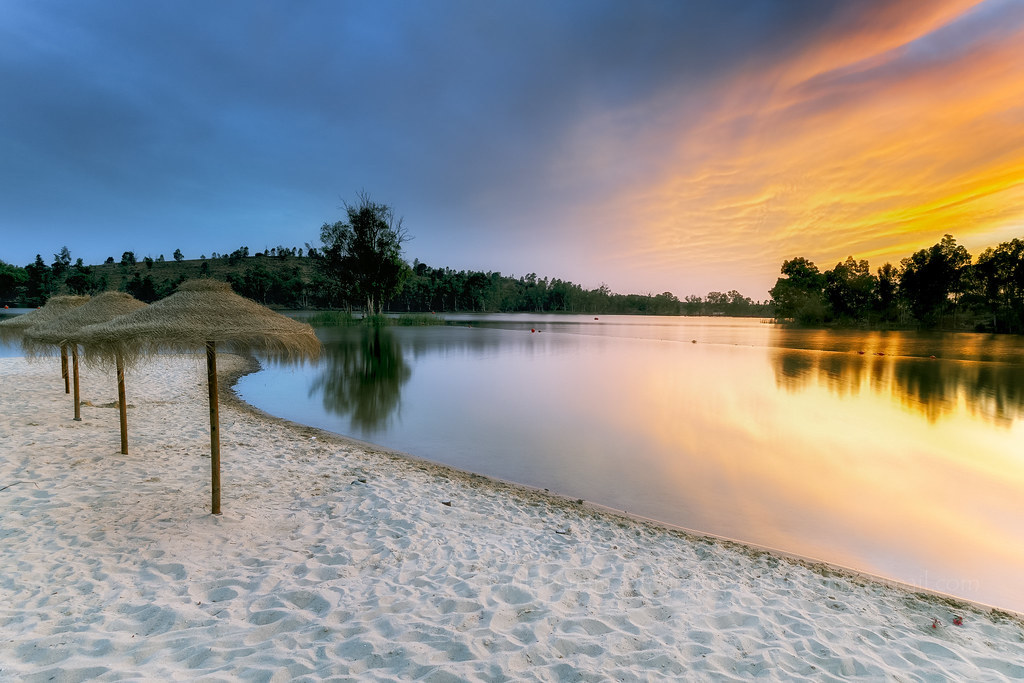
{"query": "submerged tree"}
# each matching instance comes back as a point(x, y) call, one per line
point(363, 256)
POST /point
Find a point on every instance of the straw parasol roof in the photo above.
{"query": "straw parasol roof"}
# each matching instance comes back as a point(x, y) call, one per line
point(201, 311)
point(66, 328)
point(64, 331)
point(55, 307)
point(203, 314)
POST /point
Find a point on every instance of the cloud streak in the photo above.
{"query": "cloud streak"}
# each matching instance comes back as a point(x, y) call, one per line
point(653, 145)
point(872, 143)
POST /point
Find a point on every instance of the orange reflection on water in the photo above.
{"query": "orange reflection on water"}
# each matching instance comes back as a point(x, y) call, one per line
point(883, 464)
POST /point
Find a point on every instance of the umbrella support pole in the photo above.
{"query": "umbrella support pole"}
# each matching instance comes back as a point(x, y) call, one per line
point(74, 367)
point(64, 368)
point(211, 380)
point(122, 404)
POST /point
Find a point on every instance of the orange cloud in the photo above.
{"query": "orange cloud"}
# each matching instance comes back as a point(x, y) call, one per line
point(874, 140)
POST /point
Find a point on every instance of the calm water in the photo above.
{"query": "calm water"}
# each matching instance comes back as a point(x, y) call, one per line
point(853, 447)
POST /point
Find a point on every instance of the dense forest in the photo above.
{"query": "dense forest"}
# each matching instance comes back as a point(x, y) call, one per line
point(937, 287)
point(289, 277)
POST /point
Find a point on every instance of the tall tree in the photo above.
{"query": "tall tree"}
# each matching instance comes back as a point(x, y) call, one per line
point(932, 280)
point(61, 263)
point(999, 285)
point(799, 293)
point(886, 299)
point(38, 285)
point(849, 288)
point(363, 255)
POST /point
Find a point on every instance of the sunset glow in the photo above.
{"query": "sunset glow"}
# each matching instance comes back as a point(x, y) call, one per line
point(681, 147)
point(874, 142)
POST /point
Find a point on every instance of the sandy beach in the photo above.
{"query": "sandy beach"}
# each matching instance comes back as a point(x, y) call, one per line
point(336, 560)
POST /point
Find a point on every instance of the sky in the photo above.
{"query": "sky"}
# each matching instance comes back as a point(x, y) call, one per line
point(680, 146)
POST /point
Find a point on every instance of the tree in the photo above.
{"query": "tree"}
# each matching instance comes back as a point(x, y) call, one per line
point(363, 256)
point(79, 279)
point(61, 263)
point(11, 277)
point(128, 258)
point(999, 285)
point(886, 299)
point(142, 289)
point(932, 280)
point(149, 262)
point(38, 283)
point(849, 288)
point(799, 294)
point(178, 256)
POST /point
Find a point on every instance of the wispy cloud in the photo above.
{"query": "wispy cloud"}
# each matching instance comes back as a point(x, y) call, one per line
point(874, 139)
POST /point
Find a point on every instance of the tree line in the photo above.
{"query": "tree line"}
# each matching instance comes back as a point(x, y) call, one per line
point(358, 265)
point(941, 286)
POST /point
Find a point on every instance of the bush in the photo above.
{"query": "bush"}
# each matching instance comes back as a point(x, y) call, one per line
point(332, 319)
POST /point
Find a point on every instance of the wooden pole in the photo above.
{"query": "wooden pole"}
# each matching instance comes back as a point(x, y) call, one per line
point(211, 381)
point(74, 366)
point(122, 404)
point(64, 367)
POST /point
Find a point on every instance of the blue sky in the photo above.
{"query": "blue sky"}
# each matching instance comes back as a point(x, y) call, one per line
point(586, 140)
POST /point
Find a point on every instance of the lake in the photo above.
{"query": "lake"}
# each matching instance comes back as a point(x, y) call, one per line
point(857, 448)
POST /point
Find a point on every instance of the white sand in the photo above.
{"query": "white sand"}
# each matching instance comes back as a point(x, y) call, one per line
point(333, 560)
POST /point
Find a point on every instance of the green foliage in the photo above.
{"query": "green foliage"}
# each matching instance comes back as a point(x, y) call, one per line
point(999, 286)
point(361, 259)
point(849, 288)
point(376, 320)
point(333, 319)
point(418, 320)
point(444, 289)
point(932, 280)
point(61, 263)
point(12, 278)
point(799, 294)
point(80, 279)
point(39, 285)
point(178, 256)
point(346, 319)
point(934, 287)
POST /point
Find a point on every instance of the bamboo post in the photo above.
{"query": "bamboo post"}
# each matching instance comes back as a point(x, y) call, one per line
point(64, 367)
point(74, 365)
point(122, 404)
point(211, 381)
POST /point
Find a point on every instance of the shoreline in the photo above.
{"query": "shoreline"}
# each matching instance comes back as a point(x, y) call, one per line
point(229, 396)
point(346, 560)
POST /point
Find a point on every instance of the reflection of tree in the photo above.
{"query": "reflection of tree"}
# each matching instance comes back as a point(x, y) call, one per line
point(363, 376)
point(994, 391)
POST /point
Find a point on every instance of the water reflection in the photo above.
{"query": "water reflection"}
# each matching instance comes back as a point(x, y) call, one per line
point(931, 387)
point(790, 439)
point(361, 377)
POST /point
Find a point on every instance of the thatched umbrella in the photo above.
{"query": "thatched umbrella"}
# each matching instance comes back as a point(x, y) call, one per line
point(201, 315)
point(65, 329)
point(55, 306)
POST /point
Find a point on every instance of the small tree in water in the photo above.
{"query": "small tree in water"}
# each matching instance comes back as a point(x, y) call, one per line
point(363, 256)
